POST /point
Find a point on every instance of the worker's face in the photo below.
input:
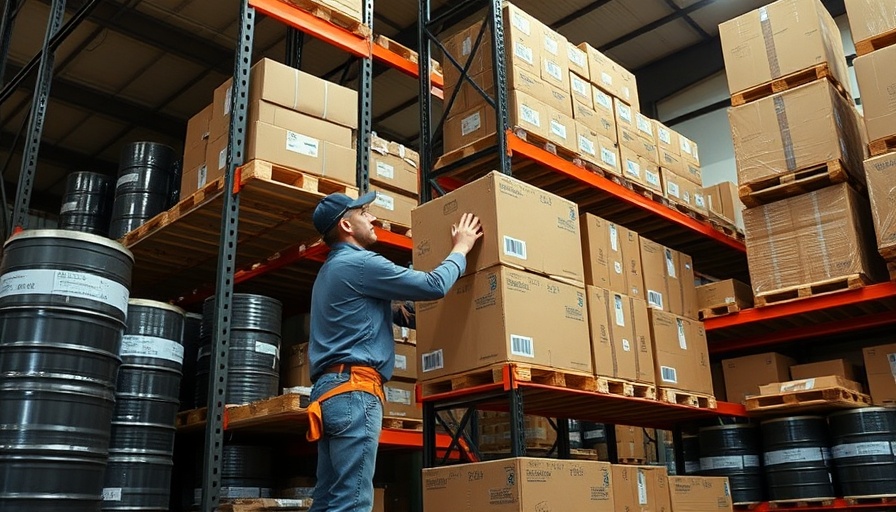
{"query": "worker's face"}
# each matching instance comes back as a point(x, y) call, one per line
point(361, 222)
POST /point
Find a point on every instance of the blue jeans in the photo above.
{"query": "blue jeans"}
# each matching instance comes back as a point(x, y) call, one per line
point(346, 452)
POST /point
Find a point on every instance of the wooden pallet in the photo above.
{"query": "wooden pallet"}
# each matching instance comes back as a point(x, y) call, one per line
point(880, 499)
point(329, 14)
point(823, 399)
point(791, 293)
point(684, 208)
point(519, 372)
point(265, 505)
point(631, 461)
point(583, 454)
point(545, 144)
point(785, 83)
point(804, 503)
point(876, 43)
point(881, 146)
point(725, 226)
point(727, 309)
point(622, 387)
point(467, 151)
point(403, 423)
point(698, 400)
point(794, 183)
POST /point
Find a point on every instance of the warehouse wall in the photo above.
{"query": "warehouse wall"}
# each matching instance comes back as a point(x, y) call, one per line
point(711, 130)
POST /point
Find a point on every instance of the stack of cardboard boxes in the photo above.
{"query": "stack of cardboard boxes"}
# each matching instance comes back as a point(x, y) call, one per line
point(393, 176)
point(876, 77)
point(524, 484)
point(810, 134)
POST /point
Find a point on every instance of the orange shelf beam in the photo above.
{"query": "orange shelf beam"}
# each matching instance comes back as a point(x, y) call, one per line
point(518, 146)
point(407, 67)
point(393, 239)
point(838, 504)
point(314, 26)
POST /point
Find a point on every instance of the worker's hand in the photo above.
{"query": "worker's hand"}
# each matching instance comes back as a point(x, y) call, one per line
point(465, 233)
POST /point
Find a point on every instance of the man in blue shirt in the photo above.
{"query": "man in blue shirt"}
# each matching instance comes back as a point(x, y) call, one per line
point(351, 350)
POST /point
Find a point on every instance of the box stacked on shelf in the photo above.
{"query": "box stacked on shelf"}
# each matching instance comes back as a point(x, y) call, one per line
point(872, 25)
point(494, 433)
point(393, 176)
point(798, 146)
point(723, 205)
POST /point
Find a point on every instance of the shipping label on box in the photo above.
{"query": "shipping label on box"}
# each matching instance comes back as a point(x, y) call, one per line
point(562, 131)
point(401, 401)
point(392, 207)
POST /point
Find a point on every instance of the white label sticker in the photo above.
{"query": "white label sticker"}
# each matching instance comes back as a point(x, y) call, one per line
point(763, 14)
point(626, 345)
point(655, 298)
point(620, 311)
point(602, 99)
point(606, 78)
point(554, 70)
point(577, 56)
point(682, 339)
point(266, 348)
point(614, 238)
point(645, 125)
point(65, 283)
point(530, 115)
point(624, 112)
point(632, 168)
point(866, 449)
point(69, 206)
point(668, 374)
point(598, 433)
point(793, 455)
point(551, 45)
point(298, 143)
point(686, 196)
point(432, 361)
point(672, 189)
point(151, 346)
point(524, 52)
point(397, 395)
point(401, 362)
point(112, 494)
point(385, 170)
point(698, 200)
point(664, 135)
point(202, 176)
point(127, 178)
point(579, 86)
point(642, 488)
point(798, 385)
point(470, 124)
point(617, 266)
point(575, 437)
point(608, 157)
point(384, 201)
point(586, 146)
point(724, 462)
point(652, 178)
point(670, 264)
point(522, 346)
point(521, 22)
point(558, 129)
point(466, 46)
point(228, 97)
point(685, 145)
point(514, 247)
point(222, 158)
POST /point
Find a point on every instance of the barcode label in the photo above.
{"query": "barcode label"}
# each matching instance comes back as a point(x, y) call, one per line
point(632, 167)
point(222, 158)
point(798, 385)
point(530, 115)
point(608, 157)
point(624, 112)
point(466, 46)
point(228, 97)
point(655, 299)
point(298, 143)
point(553, 69)
point(127, 179)
point(401, 362)
point(385, 170)
point(682, 340)
point(617, 267)
point(620, 312)
point(626, 345)
point(686, 197)
point(433, 361)
point(524, 52)
point(698, 200)
point(794, 455)
point(866, 449)
point(664, 135)
point(202, 176)
point(69, 206)
point(685, 145)
point(602, 99)
point(521, 346)
point(670, 264)
point(558, 129)
point(551, 45)
point(668, 374)
point(470, 124)
point(514, 247)
point(614, 238)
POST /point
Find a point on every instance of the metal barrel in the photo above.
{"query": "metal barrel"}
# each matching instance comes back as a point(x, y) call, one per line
point(733, 451)
point(797, 458)
point(63, 304)
point(86, 203)
point(141, 450)
point(192, 326)
point(246, 471)
point(864, 451)
point(142, 188)
point(148, 154)
point(593, 434)
point(248, 312)
point(690, 450)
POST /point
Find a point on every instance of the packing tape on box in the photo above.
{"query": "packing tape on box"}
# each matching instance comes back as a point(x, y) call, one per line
point(784, 129)
point(768, 37)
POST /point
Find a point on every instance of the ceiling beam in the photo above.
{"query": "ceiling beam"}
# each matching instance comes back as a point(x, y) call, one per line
point(690, 21)
point(588, 9)
point(650, 27)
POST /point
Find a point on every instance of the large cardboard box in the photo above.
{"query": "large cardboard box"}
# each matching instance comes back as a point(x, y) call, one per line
point(562, 130)
point(724, 293)
point(581, 90)
point(501, 315)
point(723, 201)
point(519, 485)
point(666, 138)
point(554, 59)
point(689, 152)
point(479, 122)
point(689, 306)
point(680, 353)
point(744, 375)
point(641, 488)
point(828, 226)
point(881, 179)
point(283, 117)
point(578, 60)
point(645, 128)
point(523, 227)
point(405, 362)
point(193, 180)
point(597, 149)
point(296, 150)
point(796, 129)
point(612, 256)
point(840, 367)
point(298, 367)
point(625, 116)
point(661, 268)
point(198, 128)
point(494, 431)
point(620, 336)
point(700, 494)
point(401, 401)
point(630, 443)
point(393, 166)
point(869, 18)
point(779, 39)
point(392, 207)
point(611, 77)
point(876, 77)
point(671, 162)
point(603, 105)
point(880, 368)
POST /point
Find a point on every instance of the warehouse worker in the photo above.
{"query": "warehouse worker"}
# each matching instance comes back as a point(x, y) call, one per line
point(351, 350)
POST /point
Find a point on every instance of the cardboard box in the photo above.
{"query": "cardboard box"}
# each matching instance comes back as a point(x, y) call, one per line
point(698, 197)
point(393, 166)
point(631, 166)
point(629, 139)
point(876, 77)
point(460, 46)
point(744, 375)
point(880, 172)
point(578, 61)
point(779, 39)
point(796, 129)
point(519, 485)
point(791, 386)
point(487, 318)
point(562, 131)
point(839, 367)
point(405, 362)
point(625, 116)
point(554, 59)
point(700, 494)
point(689, 152)
point(401, 400)
point(581, 90)
point(869, 18)
point(723, 201)
point(597, 149)
point(468, 127)
point(641, 488)
point(392, 206)
point(671, 162)
point(197, 129)
point(686, 277)
point(666, 138)
point(675, 187)
point(297, 151)
point(523, 225)
point(193, 180)
point(630, 442)
point(880, 368)
point(610, 76)
point(652, 176)
point(298, 367)
point(404, 334)
point(620, 336)
point(194, 157)
point(680, 353)
point(828, 226)
point(724, 293)
point(662, 283)
point(612, 256)
point(606, 114)
point(644, 127)
point(494, 431)
point(282, 117)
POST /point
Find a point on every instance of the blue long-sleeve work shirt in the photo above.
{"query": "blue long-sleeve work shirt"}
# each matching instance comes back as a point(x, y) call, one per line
point(351, 305)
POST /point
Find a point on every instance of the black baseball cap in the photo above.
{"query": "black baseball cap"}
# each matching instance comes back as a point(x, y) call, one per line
point(331, 208)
